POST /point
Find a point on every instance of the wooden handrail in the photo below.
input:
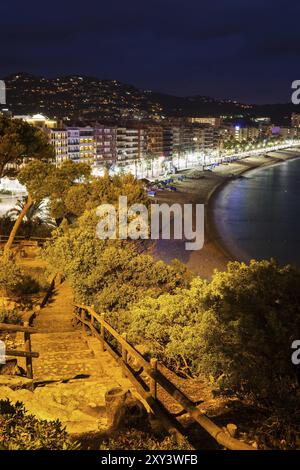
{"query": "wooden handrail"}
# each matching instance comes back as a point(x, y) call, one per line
point(28, 354)
point(22, 237)
point(156, 377)
point(29, 330)
point(15, 353)
point(18, 328)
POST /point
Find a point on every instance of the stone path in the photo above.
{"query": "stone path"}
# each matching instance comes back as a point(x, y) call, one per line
point(72, 373)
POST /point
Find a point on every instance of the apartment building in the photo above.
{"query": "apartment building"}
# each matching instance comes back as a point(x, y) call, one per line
point(206, 138)
point(105, 144)
point(59, 140)
point(212, 121)
point(155, 140)
point(73, 143)
point(171, 140)
point(245, 133)
point(131, 143)
point(289, 132)
point(87, 147)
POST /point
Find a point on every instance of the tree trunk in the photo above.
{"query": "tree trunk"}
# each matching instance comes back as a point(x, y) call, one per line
point(17, 224)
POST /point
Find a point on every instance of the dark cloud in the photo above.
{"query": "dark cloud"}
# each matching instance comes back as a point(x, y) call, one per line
point(242, 49)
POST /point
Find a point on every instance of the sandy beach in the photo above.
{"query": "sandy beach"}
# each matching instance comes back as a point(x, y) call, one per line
point(200, 187)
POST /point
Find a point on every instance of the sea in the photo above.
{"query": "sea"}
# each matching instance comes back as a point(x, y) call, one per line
point(257, 216)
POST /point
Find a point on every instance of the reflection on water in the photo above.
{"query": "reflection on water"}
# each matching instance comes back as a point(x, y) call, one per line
point(258, 215)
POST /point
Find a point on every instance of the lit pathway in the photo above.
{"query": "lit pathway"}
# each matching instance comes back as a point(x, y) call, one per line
point(72, 371)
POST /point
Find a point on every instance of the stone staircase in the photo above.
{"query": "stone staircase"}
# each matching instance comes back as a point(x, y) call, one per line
point(72, 374)
point(65, 352)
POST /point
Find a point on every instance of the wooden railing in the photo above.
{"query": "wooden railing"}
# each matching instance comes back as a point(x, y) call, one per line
point(21, 240)
point(54, 280)
point(27, 353)
point(148, 377)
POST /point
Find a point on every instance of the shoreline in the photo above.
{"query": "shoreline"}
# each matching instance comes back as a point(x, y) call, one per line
point(202, 187)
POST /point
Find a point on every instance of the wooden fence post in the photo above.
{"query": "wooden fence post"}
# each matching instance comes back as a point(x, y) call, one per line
point(28, 359)
point(102, 333)
point(153, 383)
point(124, 353)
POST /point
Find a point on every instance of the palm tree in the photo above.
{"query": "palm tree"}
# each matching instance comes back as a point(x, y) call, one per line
point(36, 214)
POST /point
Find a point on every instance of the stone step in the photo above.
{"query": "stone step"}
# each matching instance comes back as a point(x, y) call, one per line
point(64, 357)
point(65, 369)
point(59, 347)
point(61, 337)
point(60, 327)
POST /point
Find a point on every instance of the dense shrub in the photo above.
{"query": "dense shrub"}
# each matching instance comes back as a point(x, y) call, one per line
point(10, 316)
point(36, 229)
point(22, 431)
point(235, 331)
point(133, 439)
point(13, 281)
point(109, 274)
point(11, 276)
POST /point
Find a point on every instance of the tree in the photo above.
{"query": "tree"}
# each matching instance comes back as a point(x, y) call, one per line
point(18, 141)
point(44, 180)
point(36, 214)
point(235, 331)
point(111, 274)
point(106, 189)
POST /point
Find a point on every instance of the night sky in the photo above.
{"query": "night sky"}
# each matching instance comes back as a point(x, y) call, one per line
point(245, 50)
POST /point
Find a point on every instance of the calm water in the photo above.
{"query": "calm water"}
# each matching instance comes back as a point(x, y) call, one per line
point(258, 215)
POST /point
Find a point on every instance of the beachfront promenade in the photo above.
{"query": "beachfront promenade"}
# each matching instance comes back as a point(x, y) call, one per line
point(185, 162)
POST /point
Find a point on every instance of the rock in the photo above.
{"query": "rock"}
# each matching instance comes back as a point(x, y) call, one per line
point(15, 382)
point(10, 368)
point(123, 410)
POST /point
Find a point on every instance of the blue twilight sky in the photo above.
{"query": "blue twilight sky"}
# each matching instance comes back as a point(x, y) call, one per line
point(245, 50)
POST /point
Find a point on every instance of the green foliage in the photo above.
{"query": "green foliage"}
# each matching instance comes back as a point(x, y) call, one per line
point(22, 431)
point(13, 281)
point(10, 316)
point(19, 140)
point(109, 274)
point(280, 431)
point(133, 439)
point(43, 180)
point(35, 228)
point(106, 189)
point(11, 276)
point(236, 330)
point(36, 215)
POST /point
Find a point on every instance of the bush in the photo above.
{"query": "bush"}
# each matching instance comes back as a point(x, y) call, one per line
point(35, 229)
point(13, 281)
point(11, 276)
point(109, 274)
point(236, 331)
point(22, 431)
point(10, 316)
point(28, 286)
point(133, 439)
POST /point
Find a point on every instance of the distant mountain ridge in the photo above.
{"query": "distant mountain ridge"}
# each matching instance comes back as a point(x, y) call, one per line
point(85, 98)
